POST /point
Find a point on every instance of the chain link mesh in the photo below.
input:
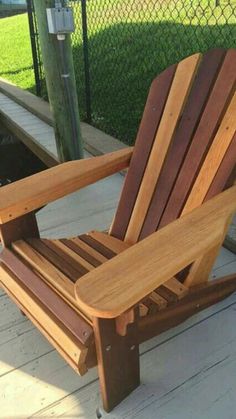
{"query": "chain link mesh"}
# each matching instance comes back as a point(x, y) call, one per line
point(130, 42)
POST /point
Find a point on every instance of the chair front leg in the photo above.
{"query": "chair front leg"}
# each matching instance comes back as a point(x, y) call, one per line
point(118, 361)
point(19, 228)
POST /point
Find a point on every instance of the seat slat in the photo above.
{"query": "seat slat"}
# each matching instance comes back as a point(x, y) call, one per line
point(99, 247)
point(58, 258)
point(194, 107)
point(53, 302)
point(53, 275)
point(70, 255)
point(79, 245)
point(183, 79)
point(152, 115)
point(112, 243)
point(204, 135)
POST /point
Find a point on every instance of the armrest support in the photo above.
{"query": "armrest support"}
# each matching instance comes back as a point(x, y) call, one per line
point(28, 194)
point(120, 283)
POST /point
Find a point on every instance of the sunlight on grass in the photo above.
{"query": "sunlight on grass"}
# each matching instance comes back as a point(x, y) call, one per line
point(15, 51)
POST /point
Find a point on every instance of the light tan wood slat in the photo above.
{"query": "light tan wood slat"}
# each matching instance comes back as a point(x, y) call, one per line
point(74, 255)
point(112, 243)
point(40, 316)
point(158, 300)
point(180, 88)
point(214, 158)
point(50, 274)
point(151, 262)
point(73, 304)
point(89, 249)
point(176, 287)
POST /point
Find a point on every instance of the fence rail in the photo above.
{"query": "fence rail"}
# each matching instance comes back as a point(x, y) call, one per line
point(119, 46)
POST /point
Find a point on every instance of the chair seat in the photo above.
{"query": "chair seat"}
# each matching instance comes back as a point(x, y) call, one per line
point(62, 262)
point(39, 274)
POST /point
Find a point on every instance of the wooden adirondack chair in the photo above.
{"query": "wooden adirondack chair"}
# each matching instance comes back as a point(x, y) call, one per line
point(163, 240)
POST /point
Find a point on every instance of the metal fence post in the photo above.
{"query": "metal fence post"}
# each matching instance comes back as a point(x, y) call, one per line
point(86, 60)
point(34, 47)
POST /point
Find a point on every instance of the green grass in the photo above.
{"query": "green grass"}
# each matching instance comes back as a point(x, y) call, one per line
point(130, 42)
point(15, 56)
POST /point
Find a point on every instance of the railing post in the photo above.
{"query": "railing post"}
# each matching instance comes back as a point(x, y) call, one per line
point(86, 60)
point(34, 48)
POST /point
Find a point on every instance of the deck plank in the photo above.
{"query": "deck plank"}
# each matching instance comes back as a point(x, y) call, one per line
point(29, 126)
point(175, 370)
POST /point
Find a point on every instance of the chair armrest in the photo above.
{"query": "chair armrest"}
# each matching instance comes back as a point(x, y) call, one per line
point(33, 192)
point(120, 283)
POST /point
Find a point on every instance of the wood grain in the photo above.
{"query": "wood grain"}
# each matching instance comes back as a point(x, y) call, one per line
point(49, 298)
point(110, 242)
point(194, 233)
point(152, 115)
point(28, 194)
point(92, 252)
point(204, 135)
point(118, 361)
point(74, 257)
point(225, 175)
point(52, 275)
point(199, 298)
point(194, 107)
point(182, 82)
point(214, 158)
point(98, 246)
point(56, 257)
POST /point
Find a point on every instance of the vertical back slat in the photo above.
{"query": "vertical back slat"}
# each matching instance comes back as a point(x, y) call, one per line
point(226, 169)
point(182, 82)
point(200, 91)
point(214, 158)
point(152, 115)
point(209, 123)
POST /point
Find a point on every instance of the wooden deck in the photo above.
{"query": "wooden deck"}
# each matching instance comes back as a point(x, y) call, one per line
point(187, 372)
point(36, 134)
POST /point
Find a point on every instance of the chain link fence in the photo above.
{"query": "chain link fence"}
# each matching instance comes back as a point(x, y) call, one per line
point(119, 46)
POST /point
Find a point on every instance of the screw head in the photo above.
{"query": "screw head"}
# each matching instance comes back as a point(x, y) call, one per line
point(108, 348)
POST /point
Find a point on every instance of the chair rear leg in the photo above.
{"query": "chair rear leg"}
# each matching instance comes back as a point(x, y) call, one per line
point(118, 361)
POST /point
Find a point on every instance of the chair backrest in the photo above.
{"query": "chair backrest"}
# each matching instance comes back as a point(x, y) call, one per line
point(185, 150)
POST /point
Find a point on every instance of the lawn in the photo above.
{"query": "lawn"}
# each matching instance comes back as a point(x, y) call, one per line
point(15, 51)
point(130, 41)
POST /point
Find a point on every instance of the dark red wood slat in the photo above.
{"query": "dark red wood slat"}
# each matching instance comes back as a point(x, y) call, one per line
point(207, 128)
point(224, 172)
point(50, 299)
point(18, 229)
point(145, 138)
point(108, 253)
point(59, 259)
point(81, 252)
point(194, 107)
point(67, 259)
